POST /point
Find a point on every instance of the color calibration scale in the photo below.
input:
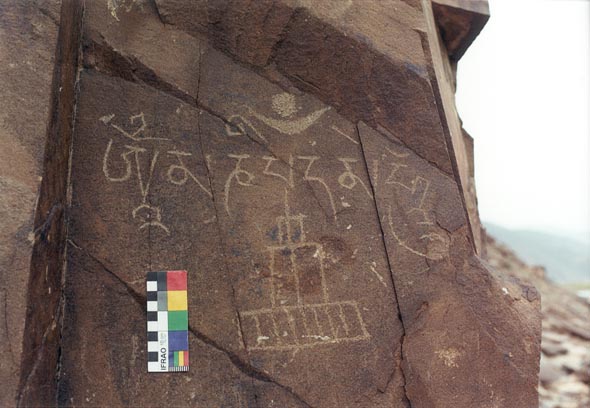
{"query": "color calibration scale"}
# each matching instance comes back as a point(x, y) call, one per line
point(167, 321)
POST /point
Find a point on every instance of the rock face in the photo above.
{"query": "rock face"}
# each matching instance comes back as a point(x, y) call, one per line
point(564, 379)
point(304, 162)
point(28, 35)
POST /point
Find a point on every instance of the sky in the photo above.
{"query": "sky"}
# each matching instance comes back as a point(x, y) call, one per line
point(523, 93)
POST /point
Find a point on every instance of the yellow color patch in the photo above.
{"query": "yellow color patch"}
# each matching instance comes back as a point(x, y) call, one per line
point(177, 300)
point(181, 359)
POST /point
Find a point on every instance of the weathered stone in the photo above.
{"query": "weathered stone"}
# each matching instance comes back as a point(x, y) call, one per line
point(131, 42)
point(339, 275)
point(426, 236)
point(549, 373)
point(360, 68)
point(461, 158)
point(28, 32)
point(41, 345)
point(470, 194)
point(553, 349)
point(460, 22)
point(564, 363)
point(304, 162)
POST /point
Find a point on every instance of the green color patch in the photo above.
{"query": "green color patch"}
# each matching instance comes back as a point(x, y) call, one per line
point(177, 320)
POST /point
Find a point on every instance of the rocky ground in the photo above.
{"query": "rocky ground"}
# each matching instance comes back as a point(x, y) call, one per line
point(565, 358)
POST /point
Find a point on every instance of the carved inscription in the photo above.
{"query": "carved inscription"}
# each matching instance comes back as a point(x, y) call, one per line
point(298, 168)
point(295, 319)
point(136, 146)
point(285, 120)
point(140, 146)
point(417, 232)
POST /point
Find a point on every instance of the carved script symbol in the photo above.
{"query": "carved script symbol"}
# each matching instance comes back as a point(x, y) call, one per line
point(147, 214)
point(334, 128)
point(124, 156)
point(239, 126)
point(288, 179)
point(306, 176)
point(135, 134)
point(427, 235)
point(186, 173)
point(348, 179)
point(242, 177)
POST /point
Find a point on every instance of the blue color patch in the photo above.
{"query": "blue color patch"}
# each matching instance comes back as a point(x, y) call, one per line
point(177, 340)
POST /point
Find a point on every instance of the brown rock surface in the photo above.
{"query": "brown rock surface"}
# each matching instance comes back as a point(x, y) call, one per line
point(28, 33)
point(565, 359)
point(304, 162)
point(460, 21)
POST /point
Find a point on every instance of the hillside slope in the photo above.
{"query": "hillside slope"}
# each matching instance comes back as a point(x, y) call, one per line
point(565, 359)
point(566, 260)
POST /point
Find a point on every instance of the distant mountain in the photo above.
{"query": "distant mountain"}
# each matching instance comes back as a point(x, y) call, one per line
point(567, 260)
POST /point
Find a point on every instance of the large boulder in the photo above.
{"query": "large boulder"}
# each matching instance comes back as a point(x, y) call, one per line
point(304, 161)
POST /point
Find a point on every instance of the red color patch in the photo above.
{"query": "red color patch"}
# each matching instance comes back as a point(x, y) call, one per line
point(185, 357)
point(176, 280)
